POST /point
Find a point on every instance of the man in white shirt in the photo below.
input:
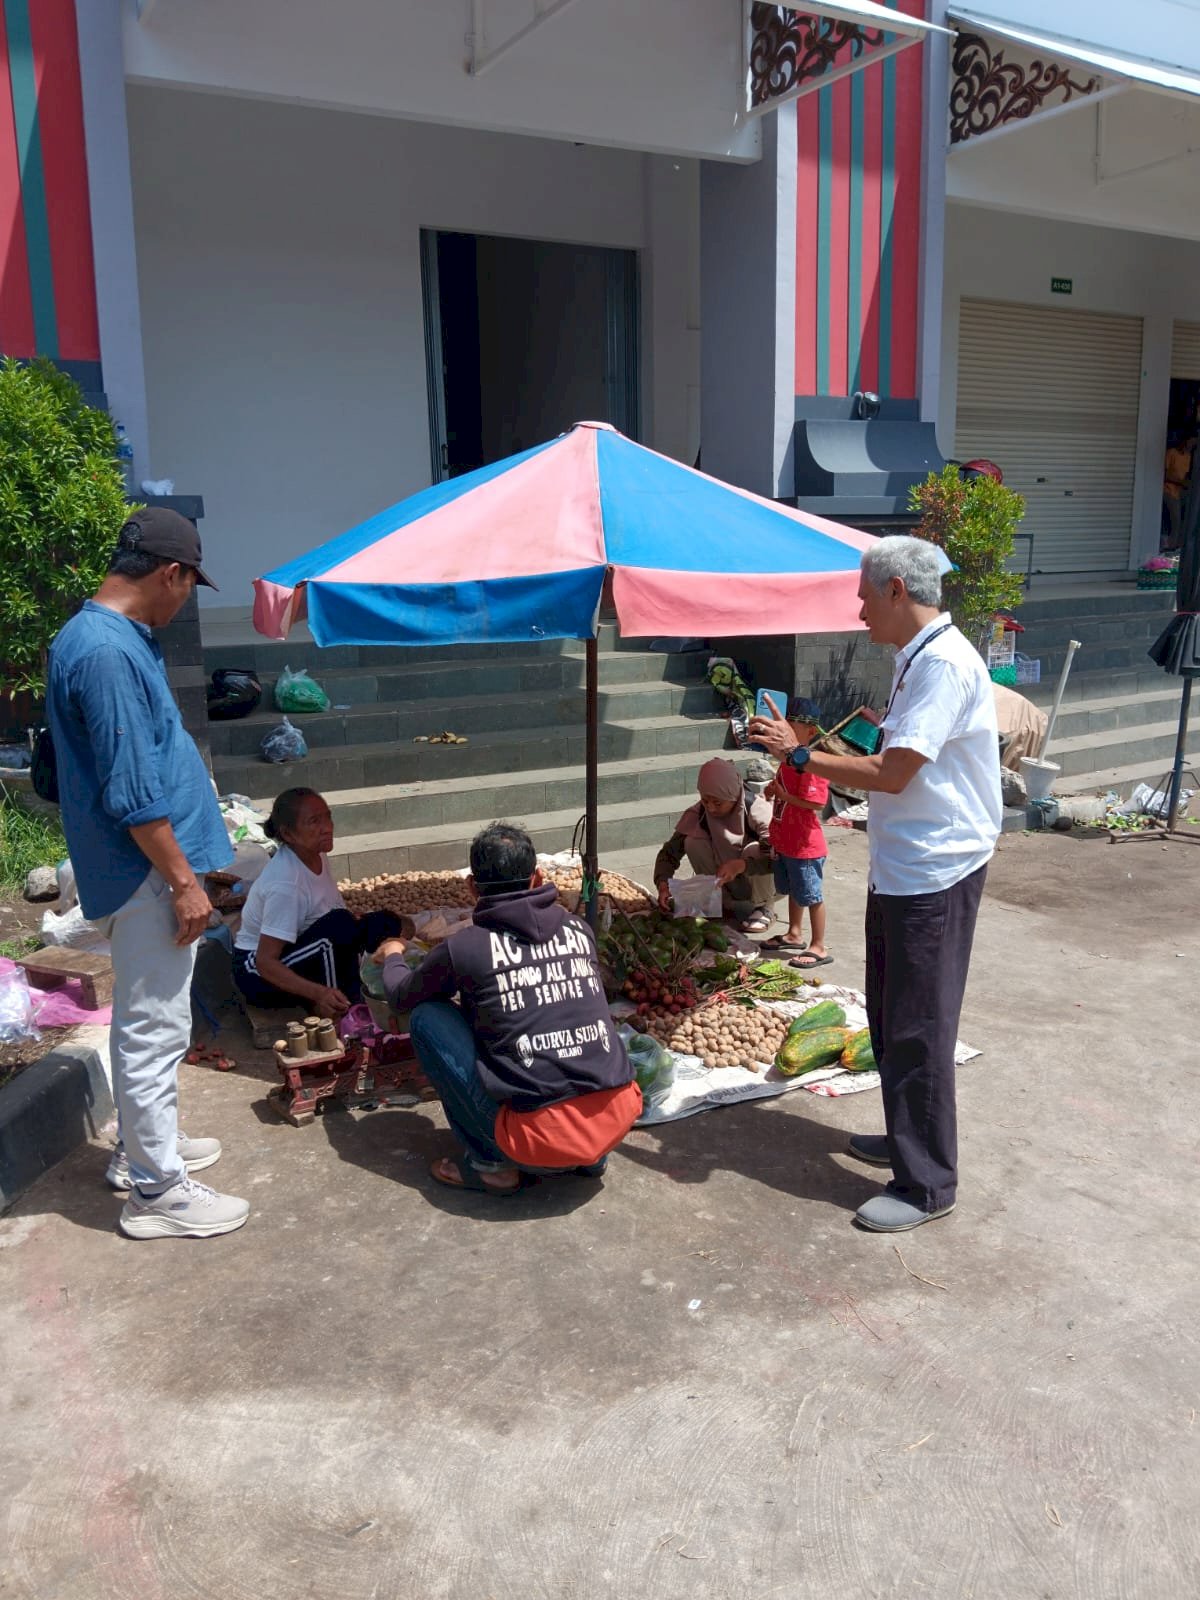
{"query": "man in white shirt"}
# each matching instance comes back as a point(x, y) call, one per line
point(932, 825)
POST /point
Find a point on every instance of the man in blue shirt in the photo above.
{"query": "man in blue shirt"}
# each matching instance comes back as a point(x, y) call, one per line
point(143, 826)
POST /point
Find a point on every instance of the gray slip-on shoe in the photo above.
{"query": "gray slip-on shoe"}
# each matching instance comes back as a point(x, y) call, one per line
point(887, 1213)
point(871, 1148)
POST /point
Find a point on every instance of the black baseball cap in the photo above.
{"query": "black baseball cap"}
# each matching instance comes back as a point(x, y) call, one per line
point(159, 531)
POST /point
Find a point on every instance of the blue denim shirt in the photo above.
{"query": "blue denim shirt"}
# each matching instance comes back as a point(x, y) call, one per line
point(124, 758)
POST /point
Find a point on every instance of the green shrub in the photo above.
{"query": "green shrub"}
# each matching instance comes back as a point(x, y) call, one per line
point(974, 523)
point(30, 836)
point(62, 503)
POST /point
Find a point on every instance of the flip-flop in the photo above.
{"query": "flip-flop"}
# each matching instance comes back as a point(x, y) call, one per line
point(802, 965)
point(783, 943)
point(468, 1178)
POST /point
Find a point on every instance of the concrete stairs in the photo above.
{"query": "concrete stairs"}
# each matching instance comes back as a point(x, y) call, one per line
point(1119, 717)
point(401, 805)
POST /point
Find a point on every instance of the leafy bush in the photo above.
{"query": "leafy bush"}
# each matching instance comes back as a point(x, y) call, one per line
point(30, 836)
point(62, 503)
point(974, 523)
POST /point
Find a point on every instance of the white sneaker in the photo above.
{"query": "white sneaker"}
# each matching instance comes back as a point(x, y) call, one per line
point(195, 1153)
point(186, 1210)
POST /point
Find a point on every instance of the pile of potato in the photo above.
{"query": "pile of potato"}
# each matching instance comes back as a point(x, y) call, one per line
point(721, 1035)
point(624, 894)
point(406, 893)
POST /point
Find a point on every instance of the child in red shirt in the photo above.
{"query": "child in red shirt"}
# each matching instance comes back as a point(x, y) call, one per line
point(798, 844)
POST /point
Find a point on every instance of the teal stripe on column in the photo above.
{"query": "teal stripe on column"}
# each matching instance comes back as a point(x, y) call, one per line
point(855, 265)
point(824, 236)
point(887, 208)
point(33, 177)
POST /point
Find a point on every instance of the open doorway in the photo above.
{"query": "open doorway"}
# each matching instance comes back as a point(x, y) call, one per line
point(524, 337)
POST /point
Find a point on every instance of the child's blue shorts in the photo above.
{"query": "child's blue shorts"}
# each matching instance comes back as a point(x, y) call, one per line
point(801, 881)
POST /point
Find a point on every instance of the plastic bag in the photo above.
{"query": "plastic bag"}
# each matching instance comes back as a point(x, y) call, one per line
point(234, 692)
point(72, 929)
point(16, 1008)
point(296, 691)
point(284, 743)
point(695, 897)
point(653, 1064)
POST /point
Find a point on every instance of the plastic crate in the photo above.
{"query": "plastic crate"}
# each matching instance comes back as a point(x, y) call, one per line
point(1028, 669)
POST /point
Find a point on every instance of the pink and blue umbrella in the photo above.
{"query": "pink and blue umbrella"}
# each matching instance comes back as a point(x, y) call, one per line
point(519, 550)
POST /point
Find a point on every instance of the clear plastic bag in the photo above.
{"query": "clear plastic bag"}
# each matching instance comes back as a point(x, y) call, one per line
point(296, 691)
point(653, 1064)
point(284, 743)
point(16, 1008)
point(695, 897)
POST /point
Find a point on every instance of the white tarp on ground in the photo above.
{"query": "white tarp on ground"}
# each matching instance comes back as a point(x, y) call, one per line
point(698, 1088)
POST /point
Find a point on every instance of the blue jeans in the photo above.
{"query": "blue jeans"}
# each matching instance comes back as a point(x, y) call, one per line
point(445, 1046)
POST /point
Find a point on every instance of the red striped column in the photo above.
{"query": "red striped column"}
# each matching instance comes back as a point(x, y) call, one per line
point(858, 229)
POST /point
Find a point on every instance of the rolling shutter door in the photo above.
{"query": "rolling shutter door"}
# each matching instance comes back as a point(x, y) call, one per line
point(1052, 397)
point(1185, 351)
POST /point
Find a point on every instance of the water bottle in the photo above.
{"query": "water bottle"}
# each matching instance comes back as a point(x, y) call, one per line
point(125, 454)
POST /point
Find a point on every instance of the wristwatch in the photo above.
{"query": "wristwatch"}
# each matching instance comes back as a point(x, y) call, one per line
point(799, 757)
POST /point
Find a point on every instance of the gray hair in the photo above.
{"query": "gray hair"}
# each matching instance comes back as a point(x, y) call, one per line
point(914, 561)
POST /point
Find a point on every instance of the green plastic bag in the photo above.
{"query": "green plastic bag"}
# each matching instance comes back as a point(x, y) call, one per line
point(296, 691)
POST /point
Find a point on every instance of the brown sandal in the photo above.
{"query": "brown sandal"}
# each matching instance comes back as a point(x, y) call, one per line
point(466, 1177)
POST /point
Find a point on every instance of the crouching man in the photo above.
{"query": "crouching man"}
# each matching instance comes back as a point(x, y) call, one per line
point(529, 1066)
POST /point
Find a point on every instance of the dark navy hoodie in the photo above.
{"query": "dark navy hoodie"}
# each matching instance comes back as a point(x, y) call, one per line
point(527, 979)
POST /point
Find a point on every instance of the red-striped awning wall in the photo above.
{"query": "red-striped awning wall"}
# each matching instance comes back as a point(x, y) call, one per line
point(47, 276)
point(858, 228)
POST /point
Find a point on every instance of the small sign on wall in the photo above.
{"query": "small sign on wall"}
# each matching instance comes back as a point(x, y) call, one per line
point(1062, 285)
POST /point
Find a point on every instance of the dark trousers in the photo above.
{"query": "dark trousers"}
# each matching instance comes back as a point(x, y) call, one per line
point(918, 953)
point(326, 952)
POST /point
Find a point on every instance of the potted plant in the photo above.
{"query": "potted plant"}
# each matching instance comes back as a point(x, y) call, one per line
point(973, 521)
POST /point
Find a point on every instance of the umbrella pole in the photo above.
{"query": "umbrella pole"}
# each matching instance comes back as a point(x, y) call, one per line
point(591, 843)
point(1180, 755)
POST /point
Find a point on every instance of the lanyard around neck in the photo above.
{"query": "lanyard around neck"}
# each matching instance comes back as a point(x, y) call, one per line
point(928, 639)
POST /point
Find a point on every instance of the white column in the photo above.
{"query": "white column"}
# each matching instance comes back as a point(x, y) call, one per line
point(748, 303)
point(102, 70)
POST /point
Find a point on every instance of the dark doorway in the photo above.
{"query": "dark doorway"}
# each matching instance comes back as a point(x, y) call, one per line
point(523, 338)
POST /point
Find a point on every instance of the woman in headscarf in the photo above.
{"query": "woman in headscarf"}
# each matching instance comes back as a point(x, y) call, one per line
point(726, 836)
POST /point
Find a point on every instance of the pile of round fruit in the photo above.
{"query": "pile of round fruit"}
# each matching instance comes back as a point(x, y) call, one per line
point(722, 1035)
point(622, 892)
point(406, 893)
point(653, 991)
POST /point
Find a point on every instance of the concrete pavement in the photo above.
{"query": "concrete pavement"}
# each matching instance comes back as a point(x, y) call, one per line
point(695, 1380)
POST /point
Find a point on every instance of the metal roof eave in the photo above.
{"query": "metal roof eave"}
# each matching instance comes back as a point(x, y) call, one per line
point(1158, 76)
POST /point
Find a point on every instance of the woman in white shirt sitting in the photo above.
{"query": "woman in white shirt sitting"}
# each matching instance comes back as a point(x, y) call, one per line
point(297, 941)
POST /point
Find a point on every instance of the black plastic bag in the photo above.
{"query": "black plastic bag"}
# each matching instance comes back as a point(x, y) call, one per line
point(234, 692)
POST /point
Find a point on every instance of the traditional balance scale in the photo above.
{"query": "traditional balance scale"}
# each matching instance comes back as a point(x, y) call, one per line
point(317, 1067)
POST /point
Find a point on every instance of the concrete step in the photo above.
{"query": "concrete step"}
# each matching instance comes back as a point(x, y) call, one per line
point(472, 714)
point(457, 679)
point(487, 755)
point(1110, 713)
point(1147, 745)
point(1098, 685)
point(268, 656)
point(1114, 600)
point(623, 825)
point(1127, 776)
point(530, 792)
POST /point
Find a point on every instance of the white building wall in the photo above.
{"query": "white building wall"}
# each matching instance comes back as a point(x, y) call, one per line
point(1002, 256)
point(279, 272)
